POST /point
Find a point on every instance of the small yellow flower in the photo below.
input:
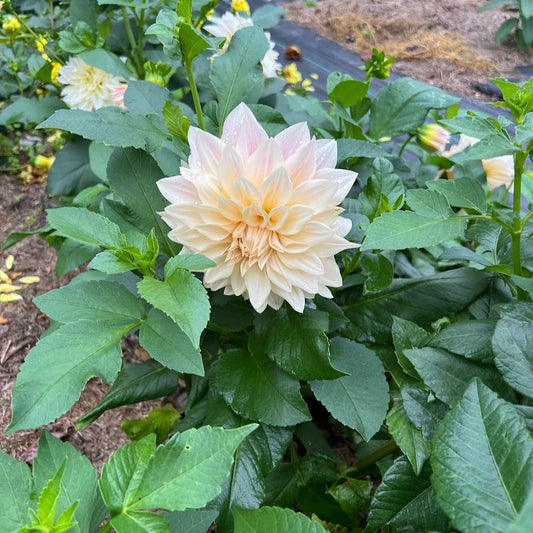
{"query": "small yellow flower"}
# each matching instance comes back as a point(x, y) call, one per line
point(55, 71)
point(9, 262)
point(313, 76)
point(42, 162)
point(291, 74)
point(40, 44)
point(28, 280)
point(240, 5)
point(46, 57)
point(11, 23)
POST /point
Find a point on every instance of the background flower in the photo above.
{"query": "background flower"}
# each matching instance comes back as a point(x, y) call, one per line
point(228, 24)
point(263, 209)
point(86, 87)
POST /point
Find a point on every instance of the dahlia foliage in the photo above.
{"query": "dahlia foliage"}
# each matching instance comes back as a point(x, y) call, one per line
point(265, 210)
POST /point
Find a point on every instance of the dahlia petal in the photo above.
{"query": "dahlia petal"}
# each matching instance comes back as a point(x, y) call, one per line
point(245, 193)
point(178, 190)
point(229, 209)
point(307, 263)
point(237, 282)
point(242, 131)
point(277, 218)
point(276, 189)
point(343, 226)
point(230, 168)
point(295, 298)
point(344, 179)
point(298, 217)
point(301, 166)
point(293, 138)
point(316, 194)
point(326, 153)
point(253, 215)
point(263, 162)
point(206, 150)
point(258, 287)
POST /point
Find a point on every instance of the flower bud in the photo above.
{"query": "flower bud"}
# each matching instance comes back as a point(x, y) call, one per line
point(42, 162)
point(433, 138)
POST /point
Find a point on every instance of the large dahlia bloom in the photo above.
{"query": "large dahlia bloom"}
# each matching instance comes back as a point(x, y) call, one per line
point(264, 209)
point(86, 87)
point(229, 24)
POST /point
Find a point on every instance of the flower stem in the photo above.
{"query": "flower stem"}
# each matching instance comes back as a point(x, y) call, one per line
point(133, 43)
point(195, 97)
point(405, 143)
point(519, 160)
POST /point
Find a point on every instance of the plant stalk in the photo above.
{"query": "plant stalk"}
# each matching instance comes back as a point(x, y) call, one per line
point(195, 97)
point(519, 160)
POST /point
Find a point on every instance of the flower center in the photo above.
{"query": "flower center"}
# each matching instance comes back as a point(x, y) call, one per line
point(250, 245)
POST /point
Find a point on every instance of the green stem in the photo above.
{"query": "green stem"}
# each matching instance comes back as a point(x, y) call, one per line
point(519, 161)
point(217, 329)
point(405, 143)
point(195, 97)
point(106, 528)
point(351, 266)
point(133, 43)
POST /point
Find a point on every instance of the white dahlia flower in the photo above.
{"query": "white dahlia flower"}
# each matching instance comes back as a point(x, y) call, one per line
point(228, 24)
point(264, 209)
point(86, 87)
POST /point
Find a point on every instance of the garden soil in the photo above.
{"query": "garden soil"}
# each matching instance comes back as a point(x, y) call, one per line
point(441, 42)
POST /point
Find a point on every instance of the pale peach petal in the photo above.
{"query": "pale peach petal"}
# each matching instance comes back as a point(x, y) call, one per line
point(301, 166)
point(263, 162)
point(253, 215)
point(293, 138)
point(277, 218)
point(242, 131)
point(245, 193)
point(230, 169)
point(326, 153)
point(178, 190)
point(276, 189)
point(298, 217)
point(310, 264)
point(258, 287)
point(206, 150)
point(317, 194)
point(344, 179)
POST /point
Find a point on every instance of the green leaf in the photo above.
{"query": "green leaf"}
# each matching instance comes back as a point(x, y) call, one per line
point(78, 484)
point(189, 470)
point(71, 171)
point(176, 123)
point(30, 110)
point(448, 375)
point(122, 474)
point(360, 399)
point(181, 297)
point(426, 202)
point(463, 192)
point(406, 501)
point(112, 126)
point(406, 335)
point(402, 106)
point(482, 462)
point(57, 368)
point(184, 9)
point(106, 61)
point(85, 226)
point(245, 380)
point(267, 16)
point(420, 300)
point(15, 489)
point(473, 126)
point(409, 439)
point(139, 522)
point(297, 342)
point(145, 97)
point(494, 145)
point(169, 345)
point(47, 504)
point(236, 74)
point(133, 176)
point(379, 271)
point(523, 132)
point(523, 522)
point(192, 42)
point(135, 383)
point(273, 520)
point(354, 148)
point(513, 349)
point(191, 520)
point(405, 229)
point(189, 261)
point(348, 92)
point(469, 338)
point(103, 301)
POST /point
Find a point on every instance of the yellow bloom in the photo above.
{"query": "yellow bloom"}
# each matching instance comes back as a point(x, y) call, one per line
point(42, 162)
point(10, 23)
point(55, 71)
point(46, 57)
point(499, 171)
point(264, 209)
point(291, 74)
point(40, 44)
point(240, 5)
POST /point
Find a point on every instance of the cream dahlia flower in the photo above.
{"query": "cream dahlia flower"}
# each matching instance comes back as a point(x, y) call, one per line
point(228, 24)
point(264, 209)
point(86, 87)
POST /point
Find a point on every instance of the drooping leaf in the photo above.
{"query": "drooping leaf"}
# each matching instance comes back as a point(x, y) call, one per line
point(103, 301)
point(161, 420)
point(448, 375)
point(482, 462)
point(169, 345)
point(135, 383)
point(360, 399)
point(246, 379)
point(275, 520)
point(405, 500)
point(57, 368)
point(297, 342)
point(464, 192)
